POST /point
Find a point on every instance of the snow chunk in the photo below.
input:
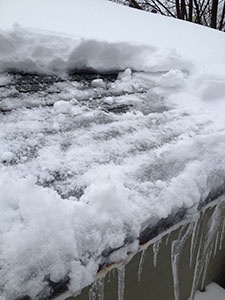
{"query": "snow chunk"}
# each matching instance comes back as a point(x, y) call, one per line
point(7, 156)
point(126, 75)
point(4, 79)
point(108, 57)
point(62, 107)
point(98, 83)
point(108, 100)
point(171, 79)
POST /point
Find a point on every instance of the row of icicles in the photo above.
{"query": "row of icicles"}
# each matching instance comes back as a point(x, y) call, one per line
point(206, 239)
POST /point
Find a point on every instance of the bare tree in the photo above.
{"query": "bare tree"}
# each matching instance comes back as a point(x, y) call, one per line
point(214, 13)
point(222, 19)
point(205, 12)
point(134, 4)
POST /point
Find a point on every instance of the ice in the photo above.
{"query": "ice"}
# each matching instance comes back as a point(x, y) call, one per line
point(207, 241)
point(155, 248)
point(96, 292)
point(92, 292)
point(176, 250)
point(141, 263)
point(222, 235)
point(168, 238)
point(121, 282)
point(101, 289)
point(194, 240)
point(197, 269)
point(205, 268)
point(216, 244)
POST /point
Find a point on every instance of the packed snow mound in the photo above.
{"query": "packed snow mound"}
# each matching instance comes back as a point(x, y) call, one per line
point(33, 51)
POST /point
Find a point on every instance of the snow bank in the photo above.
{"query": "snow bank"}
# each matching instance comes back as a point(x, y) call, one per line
point(32, 51)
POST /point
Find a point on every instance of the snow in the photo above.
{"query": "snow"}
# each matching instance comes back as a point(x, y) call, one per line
point(213, 291)
point(7, 156)
point(85, 165)
point(109, 100)
point(172, 79)
point(98, 83)
point(84, 180)
point(35, 37)
point(62, 106)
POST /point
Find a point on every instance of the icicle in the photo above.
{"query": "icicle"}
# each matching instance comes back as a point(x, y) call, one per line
point(155, 252)
point(197, 269)
point(121, 282)
point(216, 244)
point(205, 268)
point(205, 248)
point(97, 290)
point(100, 289)
point(114, 273)
point(167, 238)
point(92, 292)
point(176, 249)
point(109, 276)
point(174, 262)
point(222, 235)
point(141, 263)
point(194, 240)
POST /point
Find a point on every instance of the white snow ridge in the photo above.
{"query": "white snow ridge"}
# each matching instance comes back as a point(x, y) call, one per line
point(110, 120)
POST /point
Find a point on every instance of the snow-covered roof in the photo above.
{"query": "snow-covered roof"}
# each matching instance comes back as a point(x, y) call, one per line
point(89, 162)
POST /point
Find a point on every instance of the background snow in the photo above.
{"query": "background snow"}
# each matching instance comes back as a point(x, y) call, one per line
point(56, 27)
point(213, 291)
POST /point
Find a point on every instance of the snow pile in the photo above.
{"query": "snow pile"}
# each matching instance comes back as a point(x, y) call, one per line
point(33, 51)
point(37, 221)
